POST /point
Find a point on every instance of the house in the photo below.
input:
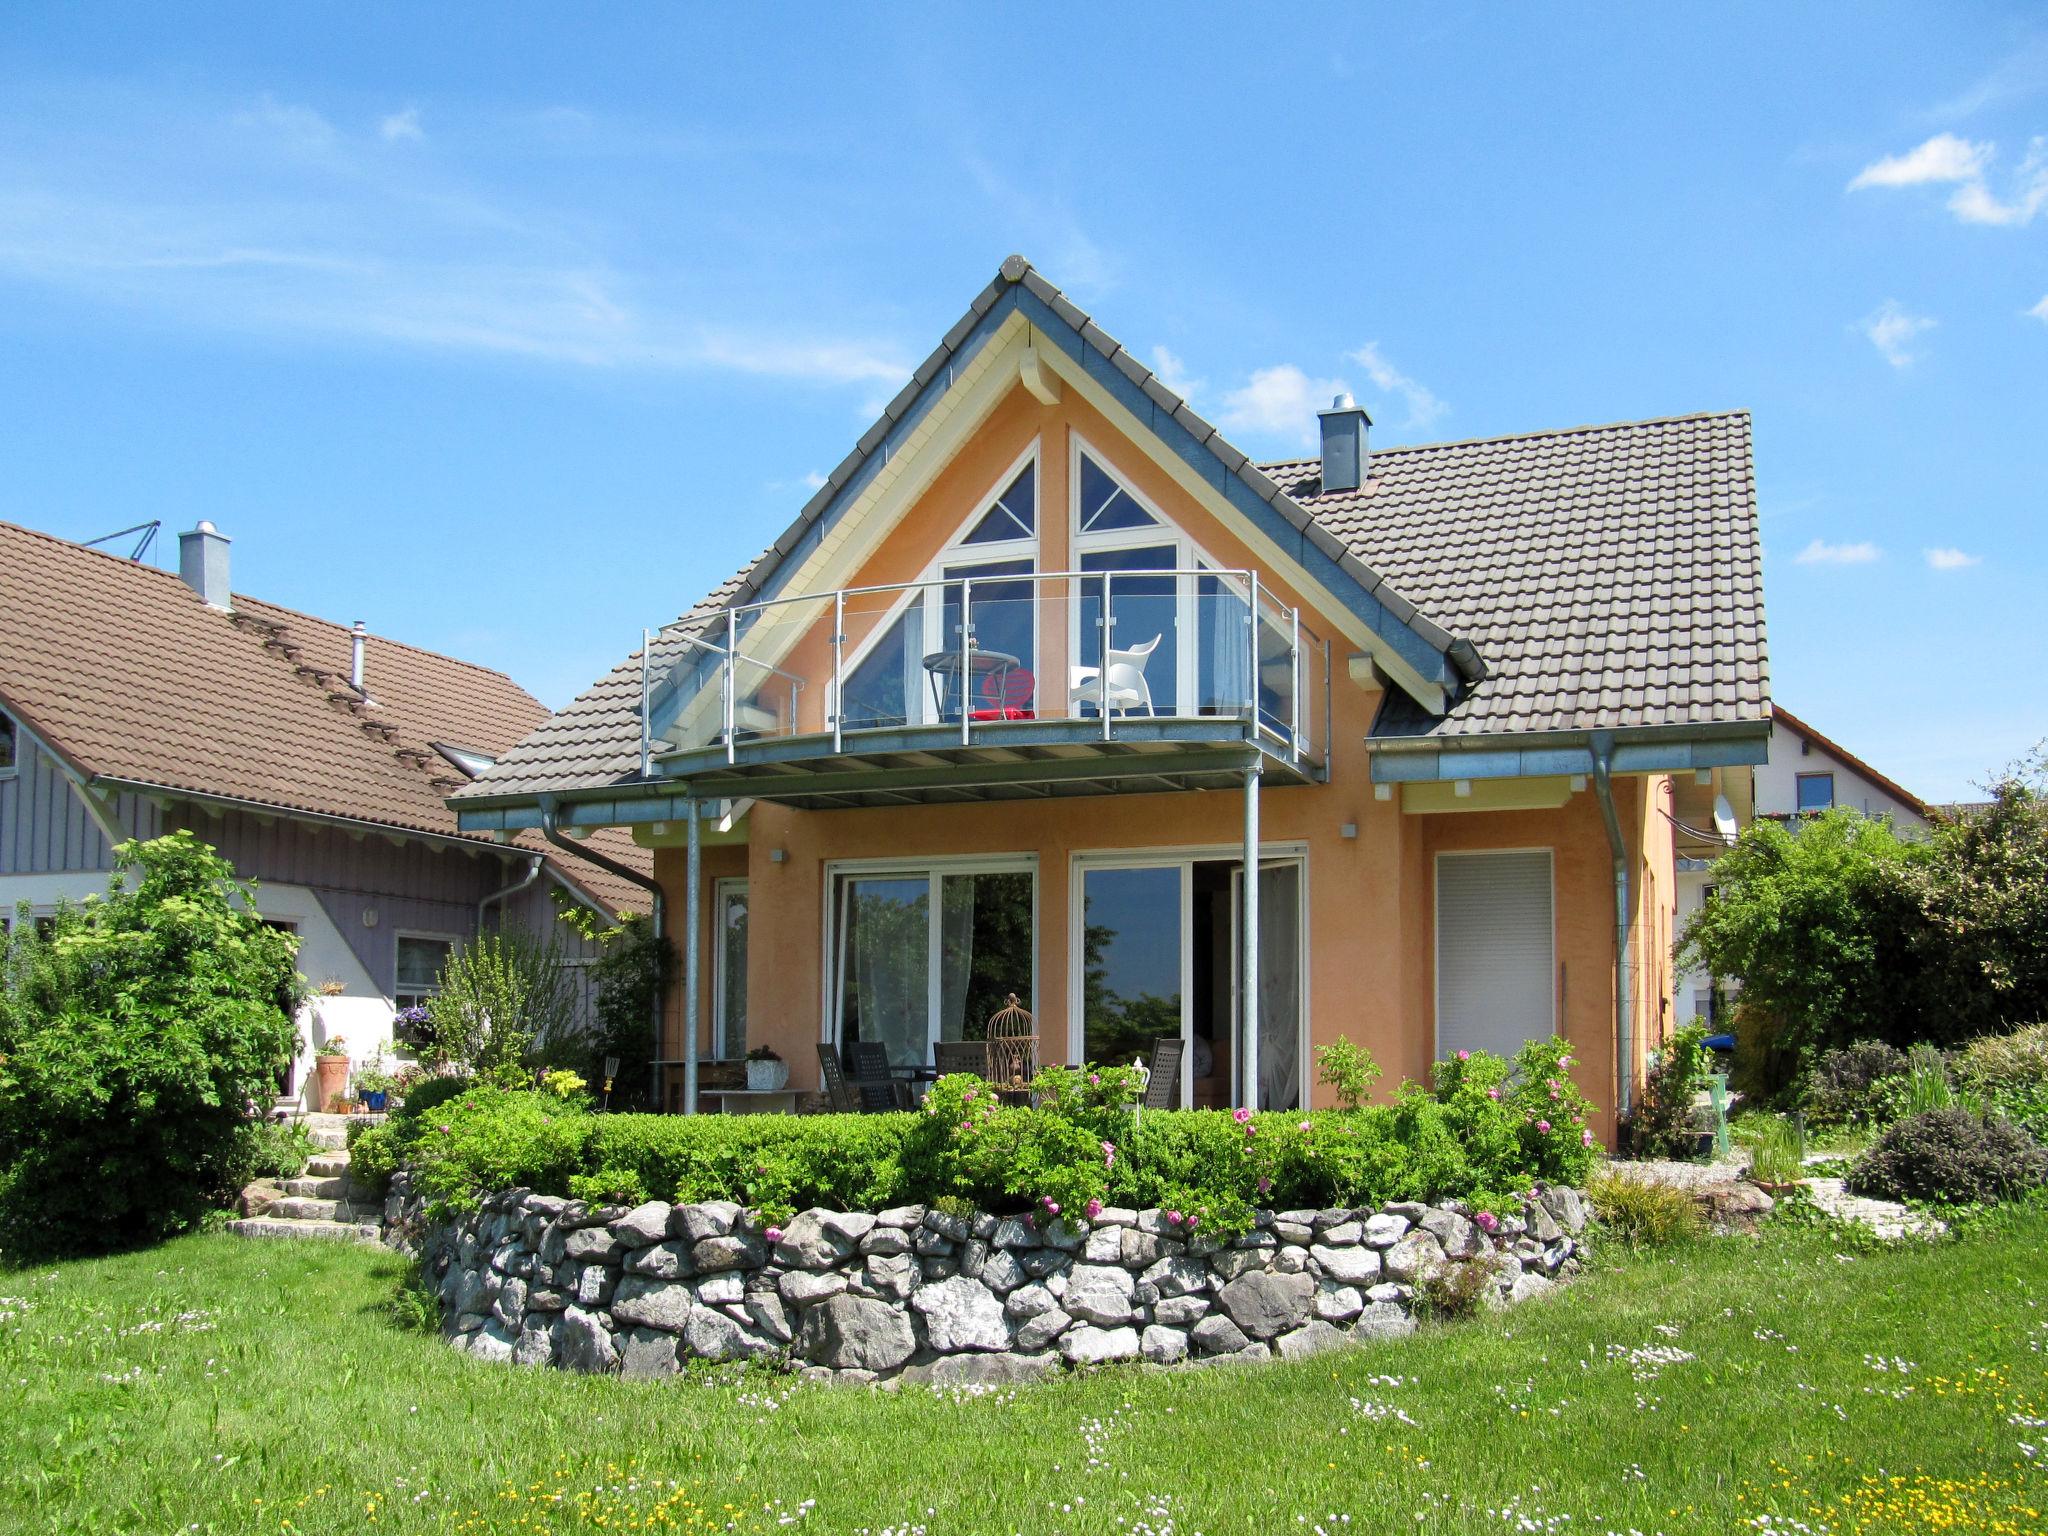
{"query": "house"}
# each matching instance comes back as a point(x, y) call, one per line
point(1806, 773)
point(1047, 665)
point(315, 757)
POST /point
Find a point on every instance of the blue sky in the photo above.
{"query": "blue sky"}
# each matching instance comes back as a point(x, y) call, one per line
point(509, 332)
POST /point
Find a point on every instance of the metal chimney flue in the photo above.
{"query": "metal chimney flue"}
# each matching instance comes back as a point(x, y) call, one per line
point(1347, 444)
point(203, 565)
point(355, 662)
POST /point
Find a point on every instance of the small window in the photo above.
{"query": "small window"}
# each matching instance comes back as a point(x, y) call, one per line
point(1015, 513)
point(1816, 792)
point(7, 747)
point(1105, 505)
point(420, 962)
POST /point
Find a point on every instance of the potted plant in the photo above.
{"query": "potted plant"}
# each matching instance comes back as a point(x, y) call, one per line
point(330, 1069)
point(374, 1084)
point(766, 1071)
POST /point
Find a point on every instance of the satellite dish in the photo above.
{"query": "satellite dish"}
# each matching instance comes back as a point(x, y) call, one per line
point(1724, 820)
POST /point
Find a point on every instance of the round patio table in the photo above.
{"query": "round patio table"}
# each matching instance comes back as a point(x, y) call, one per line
point(982, 671)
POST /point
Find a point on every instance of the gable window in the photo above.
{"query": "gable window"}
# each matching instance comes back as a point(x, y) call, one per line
point(899, 675)
point(1105, 505)
point(7, 745)
point(421, 959)
point(1816, 793)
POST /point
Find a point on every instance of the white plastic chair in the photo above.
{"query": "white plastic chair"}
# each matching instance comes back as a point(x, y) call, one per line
point(1119, 684)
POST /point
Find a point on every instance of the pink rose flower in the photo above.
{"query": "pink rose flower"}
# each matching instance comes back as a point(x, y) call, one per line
point(1240, 1115)
point(1173, 1217)
point(1464, 1055)
point(1486, 1221)
point(773, 1235)
point(1585, 1138)
point(1493, 1093)
point(1306, 1126)
point(1543, 1126)
point(1094, 1209)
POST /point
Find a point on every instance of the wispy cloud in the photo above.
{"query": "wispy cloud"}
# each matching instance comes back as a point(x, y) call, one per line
point(1946, 160)
point(1280, 404)
point(1044, 228)
point(1891, 328)
point(281, 223)
point(1950, 559)
point(1173, 373)
point(2021, 73)
point(2040, 310)
point(1820, 552)
point(401, 127)
point(1424, 408)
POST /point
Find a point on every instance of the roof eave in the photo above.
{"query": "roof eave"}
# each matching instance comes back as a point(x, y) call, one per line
point(1546, 754)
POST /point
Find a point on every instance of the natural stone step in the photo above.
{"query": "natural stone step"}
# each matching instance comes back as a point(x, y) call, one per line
point(327, 1165)
point(328, 1141)
point(303, 1208)
point(336, 1188)
point(333, 1231)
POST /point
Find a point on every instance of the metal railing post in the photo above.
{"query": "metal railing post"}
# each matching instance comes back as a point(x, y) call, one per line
point(646, 707)
point(1294, 689)
point(966, 655)
point(1252, 676)
point(732, 679)
point(838, 669)
point(1102, 672)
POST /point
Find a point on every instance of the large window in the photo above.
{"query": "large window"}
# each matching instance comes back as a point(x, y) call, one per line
point(729, 964)
point(1816, 793)
point(1495, 951)
point(421, 959)
point(922, 954)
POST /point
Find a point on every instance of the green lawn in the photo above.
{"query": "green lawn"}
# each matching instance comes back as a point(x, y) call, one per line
point(221, 1385)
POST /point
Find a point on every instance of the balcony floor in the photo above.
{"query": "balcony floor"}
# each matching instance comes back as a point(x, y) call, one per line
point(1006, 760)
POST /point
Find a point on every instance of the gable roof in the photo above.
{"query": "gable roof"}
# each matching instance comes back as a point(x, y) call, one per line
point(130, 679)
point(1602, 577)
point(1849, 759)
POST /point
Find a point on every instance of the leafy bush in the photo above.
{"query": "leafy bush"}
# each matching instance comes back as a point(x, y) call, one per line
point(1927, 1085)
point(272, 1150)
point(1662, 1122)
point(1951, 1155)
point(1348, 1069)
point(1642, 1214)
point(1983, 900)
point(1841, 1089)
point(1482, 1132)
point(2010, 1073)
point(505, 1002)
point(135, 1042)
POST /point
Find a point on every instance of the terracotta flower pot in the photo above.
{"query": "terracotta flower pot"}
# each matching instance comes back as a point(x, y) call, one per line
point(330, 1082)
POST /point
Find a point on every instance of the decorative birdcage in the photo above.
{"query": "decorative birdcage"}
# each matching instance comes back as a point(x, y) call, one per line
point(1012, 1046)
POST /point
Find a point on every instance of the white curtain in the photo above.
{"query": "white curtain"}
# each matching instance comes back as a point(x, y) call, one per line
point(889, 919)
point(1280, 987)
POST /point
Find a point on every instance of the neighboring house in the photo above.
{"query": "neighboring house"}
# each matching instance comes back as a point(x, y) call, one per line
point(1806, 774)
point(1432, 694)
point(134, 702)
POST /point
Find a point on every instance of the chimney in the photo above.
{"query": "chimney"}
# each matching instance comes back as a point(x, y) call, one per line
point(355, 661)
point(203, 564)
point(1347, 445)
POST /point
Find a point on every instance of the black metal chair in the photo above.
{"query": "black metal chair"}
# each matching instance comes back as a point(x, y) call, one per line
point(1162, 1088)
point(832, 1078)
point(951, 1056)
point(877, 1087)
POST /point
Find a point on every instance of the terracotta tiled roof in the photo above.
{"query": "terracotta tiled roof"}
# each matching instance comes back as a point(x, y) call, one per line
point(1597, 577)
point(1610, 576)
point(131, 678)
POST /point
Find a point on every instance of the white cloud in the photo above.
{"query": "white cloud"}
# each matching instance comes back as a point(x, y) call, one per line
point(1891, 329)
point(2040, 310)
point(1943, 158)
point(1173, 373)
point(1946, 160)
point(1424, 408)
point(1950, 559)
point(1820, 552)
point(401, 125)
point(1281, 403)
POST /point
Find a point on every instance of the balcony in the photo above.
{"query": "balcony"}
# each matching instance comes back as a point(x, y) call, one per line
point(1004, 684)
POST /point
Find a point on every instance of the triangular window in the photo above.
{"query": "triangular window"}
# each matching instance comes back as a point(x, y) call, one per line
point(1107, 506)
point(1014, 514)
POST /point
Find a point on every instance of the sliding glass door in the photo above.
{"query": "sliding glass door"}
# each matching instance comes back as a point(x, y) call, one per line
point(923, 954)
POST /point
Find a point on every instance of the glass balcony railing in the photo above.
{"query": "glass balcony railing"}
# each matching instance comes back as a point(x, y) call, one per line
point(1119, 649)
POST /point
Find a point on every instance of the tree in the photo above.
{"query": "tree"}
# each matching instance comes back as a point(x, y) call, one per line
point(136, 1041)
point(1821, 925)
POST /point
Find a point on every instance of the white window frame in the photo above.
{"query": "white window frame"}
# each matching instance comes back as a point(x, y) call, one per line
point(453, 941)
point(932, 869)
point(1436, 935)
point(1188, 556)
point(723, 891)
point(955, 552)
point(1185, 859)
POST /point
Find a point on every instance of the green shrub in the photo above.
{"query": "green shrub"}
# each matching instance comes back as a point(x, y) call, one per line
point(276, 1151)
point(493, 1138)
point(1662, 1122)
point(1952, 1156)
point(1777, 1145)
point(2010, 1073)
point(1841, 1090)
point(503, 1004)
point(135, 1043)
point(1348, 1069)
point(1642, 1214)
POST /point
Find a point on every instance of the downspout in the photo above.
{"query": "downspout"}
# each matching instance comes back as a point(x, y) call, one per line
point(1602, 747)
point(550, 828)
point(532, 874)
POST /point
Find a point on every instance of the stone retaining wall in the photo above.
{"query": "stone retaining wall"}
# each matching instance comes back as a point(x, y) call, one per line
point(924, 1296)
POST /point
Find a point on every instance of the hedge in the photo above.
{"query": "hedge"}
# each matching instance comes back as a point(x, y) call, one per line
point(1482, 1131)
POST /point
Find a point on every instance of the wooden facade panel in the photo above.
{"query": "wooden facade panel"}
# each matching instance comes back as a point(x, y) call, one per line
point(45, 828)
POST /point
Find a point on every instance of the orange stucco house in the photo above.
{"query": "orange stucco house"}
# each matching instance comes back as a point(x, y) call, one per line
point(1047, 664)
